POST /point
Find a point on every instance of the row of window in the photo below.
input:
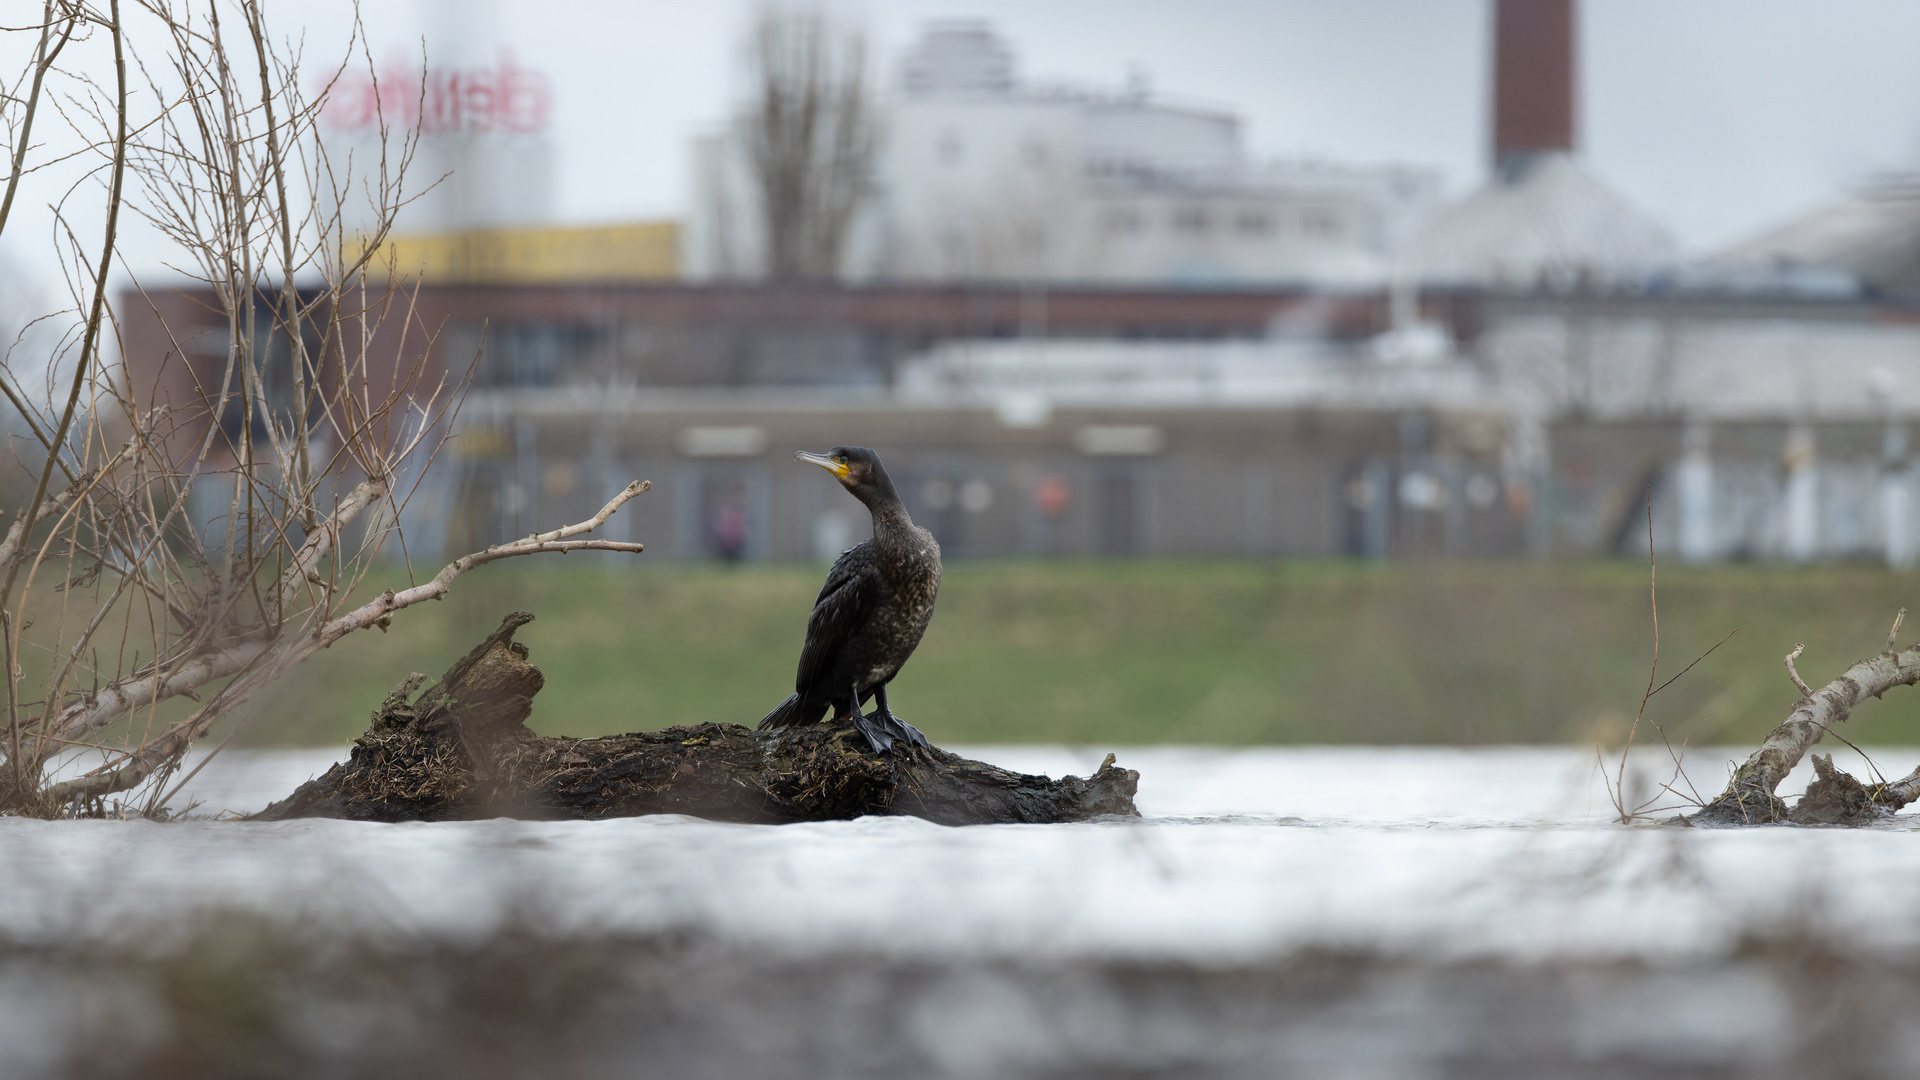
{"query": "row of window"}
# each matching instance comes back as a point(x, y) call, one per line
point(1245, 221)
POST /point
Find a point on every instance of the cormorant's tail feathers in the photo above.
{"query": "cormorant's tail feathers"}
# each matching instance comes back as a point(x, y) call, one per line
point(789, 713)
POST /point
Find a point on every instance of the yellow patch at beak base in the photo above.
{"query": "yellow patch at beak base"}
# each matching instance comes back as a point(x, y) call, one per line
point(838, 469)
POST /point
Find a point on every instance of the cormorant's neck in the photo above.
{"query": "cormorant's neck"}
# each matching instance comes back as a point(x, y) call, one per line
point(890, 517)
point(889, 513)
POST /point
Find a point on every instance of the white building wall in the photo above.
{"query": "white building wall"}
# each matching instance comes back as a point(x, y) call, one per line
point(1167, 137)
point(977, 187)
point(980, 177)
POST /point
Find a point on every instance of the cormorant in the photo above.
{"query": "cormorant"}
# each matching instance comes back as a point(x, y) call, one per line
point(869, 615)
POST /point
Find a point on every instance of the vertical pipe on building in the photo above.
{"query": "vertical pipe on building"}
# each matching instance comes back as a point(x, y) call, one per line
point(526, 504)
point(1896, 502)
point(1525, 465)
point(1377, 520)
point(1540, 510)
point(1416, 459)
point(1802, 495)
point(1453, 510)
point(1693, 484)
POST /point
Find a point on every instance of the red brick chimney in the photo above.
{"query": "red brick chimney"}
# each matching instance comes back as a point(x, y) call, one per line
point(1533, 56)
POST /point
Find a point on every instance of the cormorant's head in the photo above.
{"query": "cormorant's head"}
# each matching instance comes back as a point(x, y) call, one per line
point(858, 470)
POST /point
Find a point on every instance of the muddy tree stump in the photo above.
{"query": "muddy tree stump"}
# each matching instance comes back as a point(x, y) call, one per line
point(460, 750)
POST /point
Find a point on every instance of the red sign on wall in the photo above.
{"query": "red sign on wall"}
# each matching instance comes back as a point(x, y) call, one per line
point(504, 99)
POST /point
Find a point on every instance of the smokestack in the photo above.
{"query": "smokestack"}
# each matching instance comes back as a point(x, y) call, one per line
point(1533, 55)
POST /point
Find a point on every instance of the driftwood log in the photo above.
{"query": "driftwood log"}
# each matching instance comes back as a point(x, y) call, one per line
point(1834, 797)
point(461, 750)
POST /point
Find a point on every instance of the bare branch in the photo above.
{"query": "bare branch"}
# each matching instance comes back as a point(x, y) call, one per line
point(1901, 791)
point(148, 686)
point(321, 540)
point(596, 520)
point(42, 64)
point(376, 613)
point(1749, 797)
point(90, 342)
point(138, 765)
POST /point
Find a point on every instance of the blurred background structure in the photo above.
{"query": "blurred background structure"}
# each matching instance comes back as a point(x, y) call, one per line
point(1084, 320)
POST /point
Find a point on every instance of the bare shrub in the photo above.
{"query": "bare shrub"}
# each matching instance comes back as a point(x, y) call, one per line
point(171, 554)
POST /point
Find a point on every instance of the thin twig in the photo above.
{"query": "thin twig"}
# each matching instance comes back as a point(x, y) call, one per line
point(1805, 690)
point(1696, 660)
point(1617, 788)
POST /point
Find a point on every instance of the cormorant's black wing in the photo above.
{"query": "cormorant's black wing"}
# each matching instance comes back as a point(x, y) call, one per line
point(853, 588)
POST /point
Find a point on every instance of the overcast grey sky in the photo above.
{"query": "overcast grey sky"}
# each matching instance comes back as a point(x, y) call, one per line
point(1719, 117)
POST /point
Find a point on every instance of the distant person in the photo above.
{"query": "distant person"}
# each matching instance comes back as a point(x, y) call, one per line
point(727, 533)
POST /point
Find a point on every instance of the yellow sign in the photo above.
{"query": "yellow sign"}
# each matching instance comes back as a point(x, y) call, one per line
point(643, 251)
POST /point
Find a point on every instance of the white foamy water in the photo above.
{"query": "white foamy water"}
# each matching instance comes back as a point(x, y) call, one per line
point(1240, 854)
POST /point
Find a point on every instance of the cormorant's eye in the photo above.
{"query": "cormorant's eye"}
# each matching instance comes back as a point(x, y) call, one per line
point(842, 459)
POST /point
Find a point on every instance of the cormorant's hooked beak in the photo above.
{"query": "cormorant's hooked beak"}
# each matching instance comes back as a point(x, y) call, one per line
point(838, 469)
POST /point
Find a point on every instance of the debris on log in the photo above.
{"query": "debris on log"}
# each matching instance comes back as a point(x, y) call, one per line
point(460, 750)
point(1834, 797)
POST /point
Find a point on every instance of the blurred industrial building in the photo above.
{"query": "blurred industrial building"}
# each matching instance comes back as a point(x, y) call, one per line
point(1083, 322)
point(984, 176)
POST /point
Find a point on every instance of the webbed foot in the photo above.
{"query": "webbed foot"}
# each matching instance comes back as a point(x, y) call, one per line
point(902, 730)
point(879, 736)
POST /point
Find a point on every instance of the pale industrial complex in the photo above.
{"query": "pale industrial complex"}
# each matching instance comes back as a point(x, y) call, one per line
point(1082, 321)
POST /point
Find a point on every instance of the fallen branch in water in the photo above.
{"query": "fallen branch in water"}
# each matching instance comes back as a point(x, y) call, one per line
point(264, 661)
point(460, 750)
point(1834, 797)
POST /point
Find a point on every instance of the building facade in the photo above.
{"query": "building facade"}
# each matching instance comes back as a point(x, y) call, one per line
point(984, 176)
point(709, 391)
point(1195, 481)
point(1134, 422)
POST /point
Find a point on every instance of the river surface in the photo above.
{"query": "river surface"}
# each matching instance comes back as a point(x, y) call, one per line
point(1338, 912)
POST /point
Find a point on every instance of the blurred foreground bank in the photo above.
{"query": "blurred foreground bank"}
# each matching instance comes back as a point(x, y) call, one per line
point(1315, 913)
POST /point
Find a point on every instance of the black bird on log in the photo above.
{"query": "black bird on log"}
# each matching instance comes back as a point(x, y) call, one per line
point(869, 615)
